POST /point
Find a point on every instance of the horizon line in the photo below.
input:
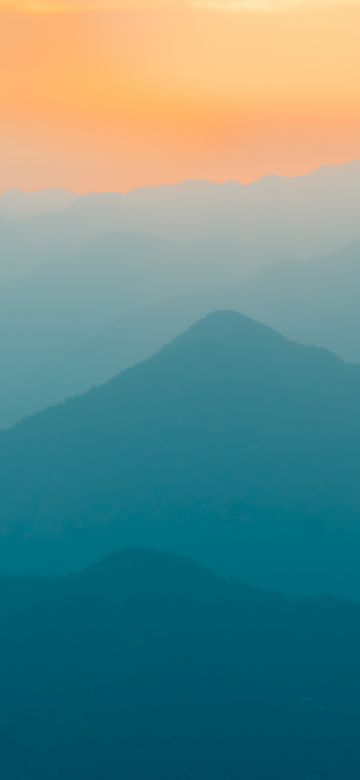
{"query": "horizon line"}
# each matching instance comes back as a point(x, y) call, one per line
point(179, 182)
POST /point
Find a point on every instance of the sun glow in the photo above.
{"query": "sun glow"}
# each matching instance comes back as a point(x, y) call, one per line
point(154, 92)
point(78, 6)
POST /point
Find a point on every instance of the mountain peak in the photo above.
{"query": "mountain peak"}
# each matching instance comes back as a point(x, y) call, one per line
point(228, 328)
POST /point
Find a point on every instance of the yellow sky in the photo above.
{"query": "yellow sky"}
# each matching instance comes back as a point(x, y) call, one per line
point(147, 92)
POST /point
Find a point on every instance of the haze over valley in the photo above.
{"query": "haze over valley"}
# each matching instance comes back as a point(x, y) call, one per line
point(179, 390)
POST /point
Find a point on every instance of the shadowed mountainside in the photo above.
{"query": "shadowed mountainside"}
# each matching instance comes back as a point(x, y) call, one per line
point(232, 444)
point(147, 661)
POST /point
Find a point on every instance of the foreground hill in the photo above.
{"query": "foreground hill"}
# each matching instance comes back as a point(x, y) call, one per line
point(147, 665)
point(232, 444)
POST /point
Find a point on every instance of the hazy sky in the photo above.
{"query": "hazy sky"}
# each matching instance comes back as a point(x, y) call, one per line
point(99, 94)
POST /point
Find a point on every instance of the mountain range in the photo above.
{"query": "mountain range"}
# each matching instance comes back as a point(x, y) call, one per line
point(76, 324)
point(91, 285)
point(231, 444)
point(273, 219)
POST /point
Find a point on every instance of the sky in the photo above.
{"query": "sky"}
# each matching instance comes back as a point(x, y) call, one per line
point(115, 94)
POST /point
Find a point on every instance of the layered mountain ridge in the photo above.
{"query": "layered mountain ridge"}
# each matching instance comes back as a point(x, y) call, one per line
point(231, 444)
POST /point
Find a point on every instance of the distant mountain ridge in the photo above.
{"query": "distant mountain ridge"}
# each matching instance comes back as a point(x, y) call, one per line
point(17, 204)
point(273, 219)
point(231, 444)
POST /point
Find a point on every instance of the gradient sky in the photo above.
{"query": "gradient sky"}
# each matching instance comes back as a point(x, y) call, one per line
point(98, 94)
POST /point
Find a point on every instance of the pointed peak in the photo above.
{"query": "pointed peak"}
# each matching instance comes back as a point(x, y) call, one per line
point(228, 326)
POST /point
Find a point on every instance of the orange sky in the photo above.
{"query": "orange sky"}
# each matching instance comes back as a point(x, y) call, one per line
point(152, 92)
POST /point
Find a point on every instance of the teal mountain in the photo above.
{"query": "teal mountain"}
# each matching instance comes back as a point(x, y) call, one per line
point(231, 444)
